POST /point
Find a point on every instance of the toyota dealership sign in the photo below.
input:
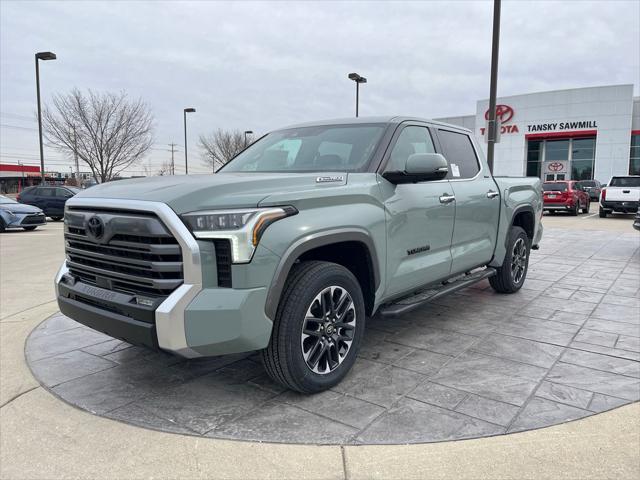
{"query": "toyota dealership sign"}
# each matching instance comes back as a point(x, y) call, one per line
point(504, 114)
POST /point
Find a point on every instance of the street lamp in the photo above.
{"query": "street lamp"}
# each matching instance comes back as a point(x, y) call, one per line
point(41, 56)
point(358, 79)
point(247, 132)
point(186, 165)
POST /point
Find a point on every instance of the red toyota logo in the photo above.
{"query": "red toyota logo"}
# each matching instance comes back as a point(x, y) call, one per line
point(503, 112)
point(556, 166)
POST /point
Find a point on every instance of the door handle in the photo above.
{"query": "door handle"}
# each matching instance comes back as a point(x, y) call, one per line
point(446, 198)
point(492, 194)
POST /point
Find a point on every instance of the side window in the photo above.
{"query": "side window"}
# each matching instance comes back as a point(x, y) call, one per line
point(45, 192)
point(411, 140)
point(458, 150)
point(63, 192)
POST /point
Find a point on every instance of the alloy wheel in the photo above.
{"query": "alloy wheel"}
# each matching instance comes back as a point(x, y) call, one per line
point(518, 260)
point(328, 330)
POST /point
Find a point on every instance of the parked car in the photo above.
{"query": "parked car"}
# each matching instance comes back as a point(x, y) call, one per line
point(592, 187)
point(636, 222)
point(50, 199)
point(290, 246)
point(621, 195)
point(565, 196)
point(15, 215)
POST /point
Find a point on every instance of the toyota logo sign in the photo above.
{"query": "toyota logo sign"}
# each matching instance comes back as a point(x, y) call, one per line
point(504, 113)
point(95, 226)
point(556, 167)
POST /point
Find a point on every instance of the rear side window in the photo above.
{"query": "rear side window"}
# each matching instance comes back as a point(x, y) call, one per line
point(554, 187)
point(459, 152)
point(625, 182)
point(46, 192)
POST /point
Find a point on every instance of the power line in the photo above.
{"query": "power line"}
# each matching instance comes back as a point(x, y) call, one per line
point(5, 125)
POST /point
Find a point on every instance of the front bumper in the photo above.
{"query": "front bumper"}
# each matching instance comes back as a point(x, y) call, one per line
point(21, 220)
point(626, 207)
point(191, 322)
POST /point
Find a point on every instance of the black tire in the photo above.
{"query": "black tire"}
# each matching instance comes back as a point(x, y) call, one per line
point(576, 209)
point(56, 219)
point(602, 212)
point(587, 206)
point(30, 229)
point(284, 357)
point(2, 225)
point(504, 280)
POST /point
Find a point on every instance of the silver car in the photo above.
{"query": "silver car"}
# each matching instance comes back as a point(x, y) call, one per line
point(18, 215)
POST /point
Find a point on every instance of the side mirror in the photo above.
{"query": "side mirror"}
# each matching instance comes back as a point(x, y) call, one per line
point(420, 167)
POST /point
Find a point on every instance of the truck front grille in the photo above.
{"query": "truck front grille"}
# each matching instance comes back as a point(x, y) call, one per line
point(128, 252)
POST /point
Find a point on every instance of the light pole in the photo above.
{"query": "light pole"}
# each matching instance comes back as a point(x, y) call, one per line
point(41, 56)
point(358, 79)
point(492, 126)
point(186, 164)
point(247, 132)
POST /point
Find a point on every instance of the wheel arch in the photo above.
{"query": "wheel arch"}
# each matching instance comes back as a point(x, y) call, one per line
point(524, 217)
point(353, 249)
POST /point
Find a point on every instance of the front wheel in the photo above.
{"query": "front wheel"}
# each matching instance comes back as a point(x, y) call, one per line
point(587, 206)
point(30, 229)
point(576, 209)
point(510, 276)
point(318, 328)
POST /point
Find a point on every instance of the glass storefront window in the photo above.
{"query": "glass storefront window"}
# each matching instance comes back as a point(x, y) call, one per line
point(556, 150)
point(579, 152)
point(634, 155)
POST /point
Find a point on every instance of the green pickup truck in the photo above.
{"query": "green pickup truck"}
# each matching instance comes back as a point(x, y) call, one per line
point(290, 246)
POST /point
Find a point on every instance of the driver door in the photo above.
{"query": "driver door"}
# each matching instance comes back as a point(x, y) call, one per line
point(419, 218)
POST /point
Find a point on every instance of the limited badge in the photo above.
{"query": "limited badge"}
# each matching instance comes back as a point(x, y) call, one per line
point(333, 178)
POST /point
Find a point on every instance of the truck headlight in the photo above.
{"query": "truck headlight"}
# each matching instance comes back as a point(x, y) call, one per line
point(242, 227)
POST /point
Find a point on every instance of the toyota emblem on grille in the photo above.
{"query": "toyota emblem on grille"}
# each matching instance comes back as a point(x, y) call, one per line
point(95, 225)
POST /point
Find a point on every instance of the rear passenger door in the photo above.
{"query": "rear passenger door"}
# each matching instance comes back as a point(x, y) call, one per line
point(477, 202)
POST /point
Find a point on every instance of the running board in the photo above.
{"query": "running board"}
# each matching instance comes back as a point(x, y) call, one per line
point(408, 304)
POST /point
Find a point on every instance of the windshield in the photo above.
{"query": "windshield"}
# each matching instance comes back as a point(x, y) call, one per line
point(4, 199)
point(625, 182)
point(328, 148)
point(74, 189)
point(554, 187)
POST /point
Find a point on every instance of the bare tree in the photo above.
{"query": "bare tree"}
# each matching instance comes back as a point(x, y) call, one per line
point(221, 146)
point(106, 130)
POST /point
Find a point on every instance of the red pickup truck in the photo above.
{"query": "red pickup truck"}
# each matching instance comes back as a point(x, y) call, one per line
point(566, 196)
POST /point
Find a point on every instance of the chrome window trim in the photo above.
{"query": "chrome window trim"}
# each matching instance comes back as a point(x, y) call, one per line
point(169, 315)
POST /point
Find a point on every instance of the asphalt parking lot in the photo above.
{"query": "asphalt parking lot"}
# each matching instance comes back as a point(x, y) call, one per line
point(601, 254)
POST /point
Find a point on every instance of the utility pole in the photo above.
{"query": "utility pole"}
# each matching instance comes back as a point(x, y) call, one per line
point(173, 163)
point(492, 127)
point(75, 154)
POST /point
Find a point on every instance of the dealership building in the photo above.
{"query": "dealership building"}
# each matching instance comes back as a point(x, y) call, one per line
point(577, 134)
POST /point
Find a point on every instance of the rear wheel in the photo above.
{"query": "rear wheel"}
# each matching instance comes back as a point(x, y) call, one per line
point(587, 206)
point(56, 219)
point(602, 212)
point(3, 226)
point(576, 209)
point(318, 328)
point(29, 229)
point(510, 276)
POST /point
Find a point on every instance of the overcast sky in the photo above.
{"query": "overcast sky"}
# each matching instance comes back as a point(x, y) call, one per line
point(261, 65)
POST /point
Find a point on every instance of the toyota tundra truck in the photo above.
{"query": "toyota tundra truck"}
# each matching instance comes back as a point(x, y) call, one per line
point(289, 247)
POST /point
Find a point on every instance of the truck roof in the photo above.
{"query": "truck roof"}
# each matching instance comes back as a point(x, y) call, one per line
point(377, 119)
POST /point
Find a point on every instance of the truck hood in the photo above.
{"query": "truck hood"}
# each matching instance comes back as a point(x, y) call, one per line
point(187, 193)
